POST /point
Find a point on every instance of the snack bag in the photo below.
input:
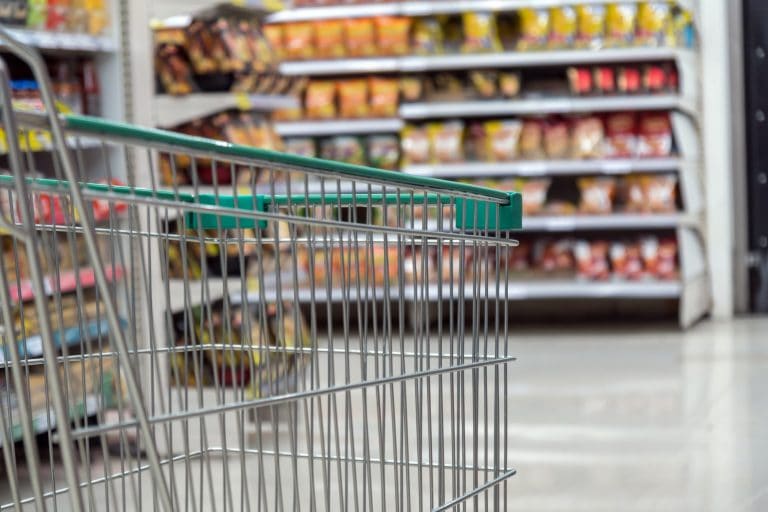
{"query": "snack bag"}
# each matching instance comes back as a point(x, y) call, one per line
point(329, 39)
point(415, 145)
point(660, 257)
point(392, 35)
point(412, 88)
point(298, 39)
point(534, 195)
point(563, 23)
point(532, 139)
point(660, 193)
point(627, 260)
point(383, 152)
point(484, 83)
point(580, 80)
point(597, 195)
point(592, 260)
point(628, 80)
point(654, 135)
point(348, 149)
point(620, 22)
point(656, 78)
point(534, 29)
point(447, 141)
point(591, 26)
point(480, 33)
point(360, 37)
point(654, 20)
point(502, 139)
point(587, 137)
point(302, 146)
point(384, 93)
point(509, 83)
point(633, 195)
point(353, 98)
point(620, 136)
point(273, 33)
point(557, 141)
point(554, 256)
point(320, 99)
point(427, 36)
point(605, 80)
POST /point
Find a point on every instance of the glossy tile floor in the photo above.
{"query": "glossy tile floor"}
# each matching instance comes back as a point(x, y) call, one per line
point(640, 418)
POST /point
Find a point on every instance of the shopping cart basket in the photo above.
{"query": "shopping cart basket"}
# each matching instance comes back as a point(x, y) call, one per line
point(189, 324)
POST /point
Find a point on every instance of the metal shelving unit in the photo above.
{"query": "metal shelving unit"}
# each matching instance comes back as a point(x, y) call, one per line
point(172, 111)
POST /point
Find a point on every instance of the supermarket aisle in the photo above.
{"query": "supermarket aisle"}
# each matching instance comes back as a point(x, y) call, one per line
point(608, 419)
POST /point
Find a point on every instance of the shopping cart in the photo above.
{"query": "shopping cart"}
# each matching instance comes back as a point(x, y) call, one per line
point(227, 328)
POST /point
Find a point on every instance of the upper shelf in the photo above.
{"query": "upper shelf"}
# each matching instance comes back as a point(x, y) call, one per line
point(422, 8)
point(46, 40)
point(172, 111)
point(413, 63)
point(545, 105)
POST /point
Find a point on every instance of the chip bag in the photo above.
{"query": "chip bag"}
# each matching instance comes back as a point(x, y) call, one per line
point(360, 37)
point(563, 23)
point(392, 35)
point(353, 98)
point(620, 24)
point(591, 26)
point(534, 29)
point(329, 39)
point(480, 33)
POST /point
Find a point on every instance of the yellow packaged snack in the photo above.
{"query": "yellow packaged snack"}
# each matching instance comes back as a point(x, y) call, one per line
point(298, 39)
point(591, 26)
point(414, 142)
point(534, 29)
point(480, 33)
point(353, 98)
point(620, 20)
point(502, 139)
point(360, 37)
point(447, 141)
point(320, 100)
point(427, 37)
point(392, 35)
point(653, 23)
point(563, 22)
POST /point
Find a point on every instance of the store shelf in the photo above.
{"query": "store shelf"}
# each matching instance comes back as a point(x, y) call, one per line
point(543, 105)
point(67, 282)
point(46, 40)
point(532, 290)
point(546, 167)
point(338, 127)
point(414, 63)
point(618, 221)
point(172, 111)
point(422, 8)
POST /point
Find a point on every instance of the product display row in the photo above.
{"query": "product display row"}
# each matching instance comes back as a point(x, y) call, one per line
point(580, 26)
point(74, 16)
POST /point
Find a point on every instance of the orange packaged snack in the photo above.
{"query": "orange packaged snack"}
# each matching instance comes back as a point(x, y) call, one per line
point(298, 40)
point(274, 36)
point(329, 39)
point(392, 35)
point(360, 37)
point(353, 98)
point(384, 95)
point(320, 100)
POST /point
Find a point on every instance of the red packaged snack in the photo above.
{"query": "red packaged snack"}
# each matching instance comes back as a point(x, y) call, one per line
point(592, 260)
point(620, 136)
point(660, 257)
point(587, 137)
point(629, 80)
point(654, 135)
point(605, 80)
point(655, 78)
point(519, 257)
point(554, 256)
point(597, 195)
point(580, 80)
point(627, 260)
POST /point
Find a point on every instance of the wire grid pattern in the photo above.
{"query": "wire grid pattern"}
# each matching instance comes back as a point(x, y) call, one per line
point(343, 348)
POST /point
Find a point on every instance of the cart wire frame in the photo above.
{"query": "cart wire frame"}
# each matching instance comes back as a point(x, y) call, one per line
point(277, 333)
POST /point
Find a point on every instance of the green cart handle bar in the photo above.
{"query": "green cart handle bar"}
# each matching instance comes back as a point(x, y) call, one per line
point(479, 212)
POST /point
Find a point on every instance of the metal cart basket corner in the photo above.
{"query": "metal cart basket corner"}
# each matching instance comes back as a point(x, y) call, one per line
point(229, 328)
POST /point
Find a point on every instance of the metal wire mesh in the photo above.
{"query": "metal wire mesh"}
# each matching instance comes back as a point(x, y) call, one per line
point(230, 333)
